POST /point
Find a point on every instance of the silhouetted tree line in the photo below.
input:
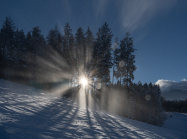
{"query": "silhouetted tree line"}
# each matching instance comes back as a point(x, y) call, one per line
point(62, 59)
point(23, 57)
point(137, 101)
point(174, 105)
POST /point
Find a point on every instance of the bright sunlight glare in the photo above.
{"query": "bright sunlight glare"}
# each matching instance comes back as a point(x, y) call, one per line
point(84, 81)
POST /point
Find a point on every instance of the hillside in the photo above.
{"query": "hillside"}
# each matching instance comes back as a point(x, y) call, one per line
point(26, 112)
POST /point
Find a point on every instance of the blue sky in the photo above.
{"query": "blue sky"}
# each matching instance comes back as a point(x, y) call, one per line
point(159, 28)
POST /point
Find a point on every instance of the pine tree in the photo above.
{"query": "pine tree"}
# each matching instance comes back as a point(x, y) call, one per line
point(68, 53)
point(80, 49)
point(131, 110)
point(89, 43)
point(156, 100)
point(126, 56)
point(7, 44)
point(104, 52)
point(73, 60)
point(117, 68)
point(28, 48)
point(115, 60)
point(96, 54)
point(89, 46)
point(37, 41)
point(20, 61)
point(37, 45)
point(54, 39)
point(66, 40)
point(20, 49)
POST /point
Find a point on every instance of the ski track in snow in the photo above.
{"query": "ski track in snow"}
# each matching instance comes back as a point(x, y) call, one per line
point(26, 113)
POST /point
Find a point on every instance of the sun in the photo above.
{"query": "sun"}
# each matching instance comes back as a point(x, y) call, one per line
point(84, 81)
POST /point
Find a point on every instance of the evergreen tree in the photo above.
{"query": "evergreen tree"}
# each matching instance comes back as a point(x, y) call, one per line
point(89, 44)
point(73, 59)
point(19, 49)
point(117, 68)
point(80, 49)
point(28, 48)
point(115, 60)
point(131, 109)
point(156, 100)
point(96, 54)
point(126, 56)
point(66, 40)
point(68, 53)
point(7, 43)
point(37, 45)
point(54, 39)
point(104, 52)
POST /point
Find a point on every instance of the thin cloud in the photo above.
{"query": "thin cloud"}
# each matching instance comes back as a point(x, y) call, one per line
point(66, 6)
point(99, 7)
point(60, 26)
point(136, 14)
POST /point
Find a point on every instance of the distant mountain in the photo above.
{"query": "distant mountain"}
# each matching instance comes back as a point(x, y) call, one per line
point(172, 90)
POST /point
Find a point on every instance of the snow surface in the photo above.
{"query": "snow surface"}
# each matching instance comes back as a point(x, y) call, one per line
point(26, 113)
point(177, 122)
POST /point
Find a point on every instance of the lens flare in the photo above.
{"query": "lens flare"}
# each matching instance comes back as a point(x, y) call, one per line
point(99, 86)
point(121, 63)
point(148, 97)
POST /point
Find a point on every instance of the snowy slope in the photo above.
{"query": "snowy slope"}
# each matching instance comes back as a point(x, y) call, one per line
point(178, 121)
point(29, 113)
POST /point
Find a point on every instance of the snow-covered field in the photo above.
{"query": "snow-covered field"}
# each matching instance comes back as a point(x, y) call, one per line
point(26, 113)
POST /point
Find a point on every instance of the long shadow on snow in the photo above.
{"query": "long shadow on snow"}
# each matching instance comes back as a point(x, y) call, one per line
point(123, 128)
point(33, 126)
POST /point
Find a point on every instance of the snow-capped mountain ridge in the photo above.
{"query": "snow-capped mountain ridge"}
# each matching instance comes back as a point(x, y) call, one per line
point(173, 86)
point(173, 90)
